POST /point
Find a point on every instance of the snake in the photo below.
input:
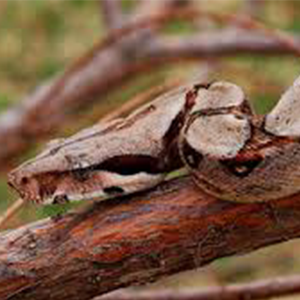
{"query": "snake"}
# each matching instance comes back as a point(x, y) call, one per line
point(210, 129)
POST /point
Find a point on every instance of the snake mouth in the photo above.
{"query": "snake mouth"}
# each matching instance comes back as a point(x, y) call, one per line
point(34, 189)
point(27, 188)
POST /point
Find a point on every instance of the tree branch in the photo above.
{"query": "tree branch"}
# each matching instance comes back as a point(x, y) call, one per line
point(218, 43)
point(111, 63)
point(136, 240)
point(112, 13)
point(254, 8)
point(260, 289)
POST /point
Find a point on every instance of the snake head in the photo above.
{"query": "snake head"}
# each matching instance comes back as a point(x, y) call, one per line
point(40, 182)
point(95, 163)
point(27, 188)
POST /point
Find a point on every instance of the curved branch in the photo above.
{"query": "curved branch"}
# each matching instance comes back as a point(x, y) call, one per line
point(109, 64)
point(136, 240)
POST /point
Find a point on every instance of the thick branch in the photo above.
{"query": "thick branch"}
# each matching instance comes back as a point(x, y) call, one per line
point(136, 240)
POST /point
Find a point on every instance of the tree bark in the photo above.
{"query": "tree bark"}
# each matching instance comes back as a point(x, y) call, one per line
point(136, 239)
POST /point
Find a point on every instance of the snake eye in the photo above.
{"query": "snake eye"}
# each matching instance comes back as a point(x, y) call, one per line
point(241, 168)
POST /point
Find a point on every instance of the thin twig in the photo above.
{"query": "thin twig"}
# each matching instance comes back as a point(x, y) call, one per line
point(257, 290)
point(10, 212)
point(112, 13)
point(253, 8)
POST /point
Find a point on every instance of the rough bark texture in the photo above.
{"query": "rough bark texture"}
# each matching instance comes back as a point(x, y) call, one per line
point(136, 240)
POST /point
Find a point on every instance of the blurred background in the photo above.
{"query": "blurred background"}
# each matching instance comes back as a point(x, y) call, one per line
point(39, 39)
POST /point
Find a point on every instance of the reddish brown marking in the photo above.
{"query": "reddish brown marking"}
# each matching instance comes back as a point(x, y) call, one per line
point(48, 183)
point(190, 99)
point(260, 140)
point(242, 165)
point(246, 108)
point(191, 95)
point(171, 158)
point(247, 156)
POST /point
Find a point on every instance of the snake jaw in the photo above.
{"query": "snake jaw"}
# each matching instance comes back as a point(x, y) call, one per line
point(27, 188)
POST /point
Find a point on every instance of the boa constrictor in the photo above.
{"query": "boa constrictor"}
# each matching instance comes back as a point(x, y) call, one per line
point(231, 153)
